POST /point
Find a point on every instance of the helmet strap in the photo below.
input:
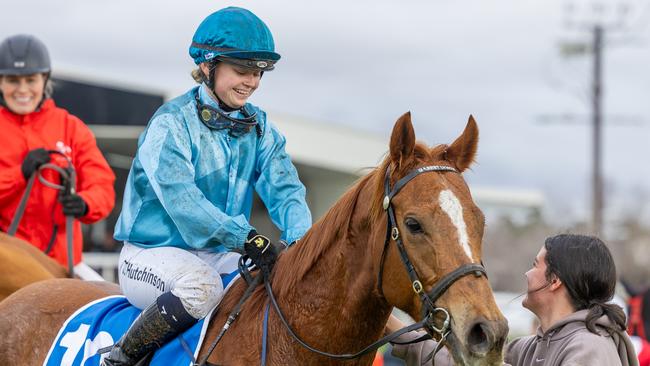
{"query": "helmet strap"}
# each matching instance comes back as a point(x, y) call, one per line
point(221, 104)
point(209, 79)
point(210, 82)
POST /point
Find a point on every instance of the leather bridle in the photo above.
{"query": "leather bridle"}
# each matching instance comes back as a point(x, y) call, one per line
point(428, 299)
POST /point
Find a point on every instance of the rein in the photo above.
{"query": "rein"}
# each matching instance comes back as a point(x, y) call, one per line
point(345, 356)
point(68, 179)
point(267, 284)
point(252, 284)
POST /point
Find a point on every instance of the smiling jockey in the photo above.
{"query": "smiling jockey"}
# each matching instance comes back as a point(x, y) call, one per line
point(187, 203)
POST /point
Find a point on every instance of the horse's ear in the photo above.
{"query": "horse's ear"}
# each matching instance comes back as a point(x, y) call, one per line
point(402, 140)
point(463, 151)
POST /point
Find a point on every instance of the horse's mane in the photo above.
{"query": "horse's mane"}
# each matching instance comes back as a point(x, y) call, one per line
point(335, 224)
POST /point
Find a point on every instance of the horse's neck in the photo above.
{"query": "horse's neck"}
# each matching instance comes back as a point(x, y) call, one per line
point(326, 288)
point(339, 292)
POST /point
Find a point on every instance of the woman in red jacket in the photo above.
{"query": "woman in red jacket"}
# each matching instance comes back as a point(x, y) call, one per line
point(31, 126)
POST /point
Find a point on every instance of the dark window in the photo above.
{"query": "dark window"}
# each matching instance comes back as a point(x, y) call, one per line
point(97, 104)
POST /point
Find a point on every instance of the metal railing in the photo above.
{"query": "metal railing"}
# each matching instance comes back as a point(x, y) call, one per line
point(104, 263)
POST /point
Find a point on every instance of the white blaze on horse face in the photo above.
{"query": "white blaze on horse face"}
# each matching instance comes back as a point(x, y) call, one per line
point(452, 207)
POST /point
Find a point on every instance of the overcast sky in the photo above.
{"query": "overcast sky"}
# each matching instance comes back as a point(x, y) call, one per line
point(364, 63)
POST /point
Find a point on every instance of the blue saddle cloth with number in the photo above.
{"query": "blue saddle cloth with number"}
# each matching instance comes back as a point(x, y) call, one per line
point(101, 323)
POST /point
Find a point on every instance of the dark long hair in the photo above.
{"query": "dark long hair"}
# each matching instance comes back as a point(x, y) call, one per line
point(585, 266)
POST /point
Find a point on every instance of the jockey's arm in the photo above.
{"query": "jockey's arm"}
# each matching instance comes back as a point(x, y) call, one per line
point(279, 186)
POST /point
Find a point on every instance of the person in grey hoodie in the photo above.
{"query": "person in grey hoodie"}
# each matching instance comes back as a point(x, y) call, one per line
point(570, 285)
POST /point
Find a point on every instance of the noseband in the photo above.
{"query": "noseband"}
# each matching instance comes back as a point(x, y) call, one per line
point(428, 299)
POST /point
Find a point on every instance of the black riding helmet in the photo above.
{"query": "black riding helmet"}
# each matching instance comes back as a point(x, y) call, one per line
point(23, 54)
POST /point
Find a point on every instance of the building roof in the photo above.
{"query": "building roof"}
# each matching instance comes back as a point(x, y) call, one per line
point(328, 145)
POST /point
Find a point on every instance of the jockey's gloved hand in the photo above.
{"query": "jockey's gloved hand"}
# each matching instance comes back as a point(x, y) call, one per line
point(73, 205)
point(34, 159)
point(261, 251)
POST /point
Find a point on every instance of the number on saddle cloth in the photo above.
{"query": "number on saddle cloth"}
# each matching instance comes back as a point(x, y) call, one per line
point(101, 323)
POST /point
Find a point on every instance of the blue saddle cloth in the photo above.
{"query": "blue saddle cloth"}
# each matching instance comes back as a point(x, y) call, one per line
point(101, 323)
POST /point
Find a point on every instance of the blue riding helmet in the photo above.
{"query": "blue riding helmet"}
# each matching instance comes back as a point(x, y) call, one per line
point(237, 36)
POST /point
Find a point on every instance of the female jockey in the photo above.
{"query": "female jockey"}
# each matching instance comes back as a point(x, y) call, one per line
point(188, 197)
point(32, 127)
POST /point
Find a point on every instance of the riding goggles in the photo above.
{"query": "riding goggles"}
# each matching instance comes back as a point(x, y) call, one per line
point(217, 119)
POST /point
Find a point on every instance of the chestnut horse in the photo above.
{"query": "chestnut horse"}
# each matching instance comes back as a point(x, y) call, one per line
point(22, 263)
point(338, 285)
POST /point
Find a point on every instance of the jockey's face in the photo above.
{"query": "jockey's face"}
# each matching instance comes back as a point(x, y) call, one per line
point(22, 93)
point(235, 84)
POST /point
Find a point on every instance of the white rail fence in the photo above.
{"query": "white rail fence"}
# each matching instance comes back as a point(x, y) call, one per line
point(104, 263)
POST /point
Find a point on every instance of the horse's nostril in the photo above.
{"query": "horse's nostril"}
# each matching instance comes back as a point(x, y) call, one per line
point(479, 340)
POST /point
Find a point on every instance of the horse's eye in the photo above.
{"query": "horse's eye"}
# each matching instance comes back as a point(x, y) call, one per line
point(413, 225)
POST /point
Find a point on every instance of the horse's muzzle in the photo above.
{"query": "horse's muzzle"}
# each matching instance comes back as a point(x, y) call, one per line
point(487, 336)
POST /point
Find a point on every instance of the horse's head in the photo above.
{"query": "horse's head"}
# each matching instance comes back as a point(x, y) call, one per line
point(440, 229)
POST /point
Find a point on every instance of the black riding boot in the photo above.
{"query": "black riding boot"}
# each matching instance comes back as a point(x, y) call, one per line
point(158, 324)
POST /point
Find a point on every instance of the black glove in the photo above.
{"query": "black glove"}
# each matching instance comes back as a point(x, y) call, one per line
point(261, 252)
point(34, 159)
point(73, 205)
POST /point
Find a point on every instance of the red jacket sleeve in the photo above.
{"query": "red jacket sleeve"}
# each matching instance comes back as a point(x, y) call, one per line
point(95, 178)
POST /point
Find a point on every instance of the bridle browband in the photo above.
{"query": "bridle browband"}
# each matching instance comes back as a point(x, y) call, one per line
point(392, 233)
point(428, 298)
